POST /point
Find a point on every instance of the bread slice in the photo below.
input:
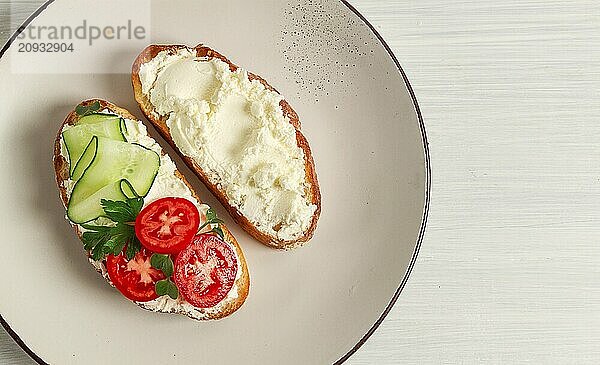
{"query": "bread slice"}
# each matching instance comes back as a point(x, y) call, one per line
point(229, 305)
point(312, 192)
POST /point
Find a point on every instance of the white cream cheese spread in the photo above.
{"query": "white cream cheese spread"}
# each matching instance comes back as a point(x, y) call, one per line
point(234, 129)
point(165, 184)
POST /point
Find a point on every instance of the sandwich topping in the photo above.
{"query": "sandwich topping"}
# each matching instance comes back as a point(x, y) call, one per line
point(167, 225)
point(122, 202)
point(135, 278)
point(234, 129)
point(205, 271)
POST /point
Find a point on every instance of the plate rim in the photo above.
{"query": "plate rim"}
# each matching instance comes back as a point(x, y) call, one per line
point(427, 159)
point(427, 197)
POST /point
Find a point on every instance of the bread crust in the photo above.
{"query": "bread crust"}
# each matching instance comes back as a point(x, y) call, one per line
point(312, 192)
point(61, 168)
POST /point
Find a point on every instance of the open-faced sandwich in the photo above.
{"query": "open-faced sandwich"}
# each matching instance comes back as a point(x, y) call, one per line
point(143, 227)
point(237, 134)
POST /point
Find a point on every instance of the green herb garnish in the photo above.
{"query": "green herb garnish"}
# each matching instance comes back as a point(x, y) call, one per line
point(162, 263)
point(219, 232)
point(211, 218)
point(82, 110)
point(106, 240)
point(166, 286)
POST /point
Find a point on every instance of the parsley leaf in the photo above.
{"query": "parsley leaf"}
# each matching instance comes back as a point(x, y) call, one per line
point(219, 232)
point(94, 237)
point(133, 247)
point(211, 218)
point(166, 287)
point(122, 211)
point(106, 240)
point(82, 110)
point(162, 263)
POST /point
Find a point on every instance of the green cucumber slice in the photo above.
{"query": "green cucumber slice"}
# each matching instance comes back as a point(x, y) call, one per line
point(90, 208)
point(86, 159)
point(78, 137)
point(96, 118)
point(113, 163)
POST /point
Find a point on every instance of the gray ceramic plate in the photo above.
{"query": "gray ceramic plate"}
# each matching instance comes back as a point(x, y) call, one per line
point(317, 304)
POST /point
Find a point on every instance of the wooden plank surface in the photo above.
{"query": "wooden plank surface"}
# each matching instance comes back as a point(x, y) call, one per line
point(509, 269)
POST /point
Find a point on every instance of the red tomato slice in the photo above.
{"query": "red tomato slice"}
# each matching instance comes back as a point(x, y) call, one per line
point(135, 278)
point(205, 271)
point(167, 225)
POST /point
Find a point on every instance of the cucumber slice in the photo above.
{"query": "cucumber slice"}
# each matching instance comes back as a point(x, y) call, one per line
point(113, 163)
point(86, 159)
point(78, 137)
point(90, 208)
point(96, 118)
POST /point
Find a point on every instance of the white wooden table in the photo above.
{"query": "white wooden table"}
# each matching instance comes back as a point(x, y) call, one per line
point(509, 271)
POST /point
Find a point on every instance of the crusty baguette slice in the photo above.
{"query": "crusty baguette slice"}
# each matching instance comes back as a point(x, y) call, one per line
point(242, 284)
point(312, 192)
